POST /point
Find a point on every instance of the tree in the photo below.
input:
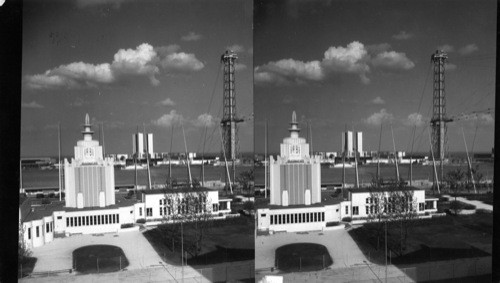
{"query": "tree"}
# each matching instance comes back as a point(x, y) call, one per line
point(190, 209)
point(246, 179)
point(23, 252)
point(455, 178)
point(393, 203)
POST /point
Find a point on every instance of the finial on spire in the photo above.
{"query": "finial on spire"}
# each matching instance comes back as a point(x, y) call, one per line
point(294, 117)
point(87, 120)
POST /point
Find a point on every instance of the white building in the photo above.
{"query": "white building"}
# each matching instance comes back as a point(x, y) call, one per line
point(295, 200)
point(92, 206)
point(295, 177)
point(89, 179)
point(142, 143)
point(352, 142)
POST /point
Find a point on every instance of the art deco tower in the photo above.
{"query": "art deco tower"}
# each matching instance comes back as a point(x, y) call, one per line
point(89, 178)
point(295, 177)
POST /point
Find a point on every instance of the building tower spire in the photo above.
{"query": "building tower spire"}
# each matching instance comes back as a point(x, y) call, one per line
point(294, 129)
point(87, 132)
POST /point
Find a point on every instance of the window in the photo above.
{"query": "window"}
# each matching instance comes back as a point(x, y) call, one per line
point(296, 218)
point(367, 200)
point(59, 217)
point(149, 211)
point(107, 218)
point(114, 218)
point(367, 210)
point(118, 218)
point(161, 211)
point(91, 218)
point(421, 206)
point(46, 227)
point(307, 217)
point(315, 217)
point(87, 220)
point(140, 211)
point(67, 222)
point(322, 216)
point(37, 231)
point(79, 221)
point(160, 202)
point(95, 219)
point(29, 233)
point(98, 219)
point(347, 210)
point(355, 210)
point(288, 218)
point(272, 219)
point(300, 217)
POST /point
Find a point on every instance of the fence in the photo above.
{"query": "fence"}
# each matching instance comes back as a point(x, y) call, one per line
point(377, 273)
point(157, 273)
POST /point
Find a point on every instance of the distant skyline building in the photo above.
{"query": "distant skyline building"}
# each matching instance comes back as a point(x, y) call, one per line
point(295, 177)
point(352, 142)
point(89, 179)
point(142, 143)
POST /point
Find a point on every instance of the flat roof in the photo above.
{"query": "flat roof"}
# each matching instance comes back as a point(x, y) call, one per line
point(276, 207)
point(382, 189)
point(179, 190)
point(32, 209)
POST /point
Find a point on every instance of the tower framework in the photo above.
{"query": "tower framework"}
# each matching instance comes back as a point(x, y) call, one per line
point(229, 119)
point(439, 118)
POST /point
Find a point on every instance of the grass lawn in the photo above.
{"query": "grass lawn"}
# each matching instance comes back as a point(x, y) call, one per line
point(302, 257)
point(226, 241)
point(99, 259)
point(442, 238)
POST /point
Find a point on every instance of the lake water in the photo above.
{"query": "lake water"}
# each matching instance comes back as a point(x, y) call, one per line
point(48, 178)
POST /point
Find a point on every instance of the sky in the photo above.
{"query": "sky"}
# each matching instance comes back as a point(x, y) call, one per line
point(360, 64)
point(127, 63)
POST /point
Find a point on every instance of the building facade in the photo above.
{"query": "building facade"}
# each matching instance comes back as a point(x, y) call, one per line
point(352, 142)
point(295, 177)
point(89, 179)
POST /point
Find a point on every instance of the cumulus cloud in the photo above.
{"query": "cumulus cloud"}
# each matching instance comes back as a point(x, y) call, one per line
point(191, 36)
point(446, 48)
point(204, 120)
point(392, 60)
point(32, 104)
point(169, 119)
point(355, 58)
point(378, 100)
point(237, 48)
point(289, 71)
point(143, 61)
point(402, 35)
point(379, 117)
point(414, 119)
point(468, 49)
point(184, 62)
point(167, 102)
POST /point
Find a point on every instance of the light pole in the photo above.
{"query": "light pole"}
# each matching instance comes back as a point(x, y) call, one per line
point(386, 251)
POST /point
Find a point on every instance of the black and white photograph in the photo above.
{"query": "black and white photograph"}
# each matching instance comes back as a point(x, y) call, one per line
point(136, 141)
point(374, 137)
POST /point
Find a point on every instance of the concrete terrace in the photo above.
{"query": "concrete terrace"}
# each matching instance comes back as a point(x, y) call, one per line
point(144, 262)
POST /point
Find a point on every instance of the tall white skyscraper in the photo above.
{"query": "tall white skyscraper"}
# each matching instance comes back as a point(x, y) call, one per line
point(351, 142)
point(142, 143)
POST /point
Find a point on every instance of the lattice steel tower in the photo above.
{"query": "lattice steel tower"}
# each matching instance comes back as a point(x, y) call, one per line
point(439, 118)
point(229, 119)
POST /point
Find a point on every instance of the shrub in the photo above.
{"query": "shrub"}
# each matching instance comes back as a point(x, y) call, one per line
point(347, 219)
point(39, 195)
point(52, 195)
point(141, 221)
point(332, 224)
point(127, 225)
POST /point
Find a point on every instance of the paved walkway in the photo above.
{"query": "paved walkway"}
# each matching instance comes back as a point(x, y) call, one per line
point(57, 255)
point(342, 248)
point(477, 203)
